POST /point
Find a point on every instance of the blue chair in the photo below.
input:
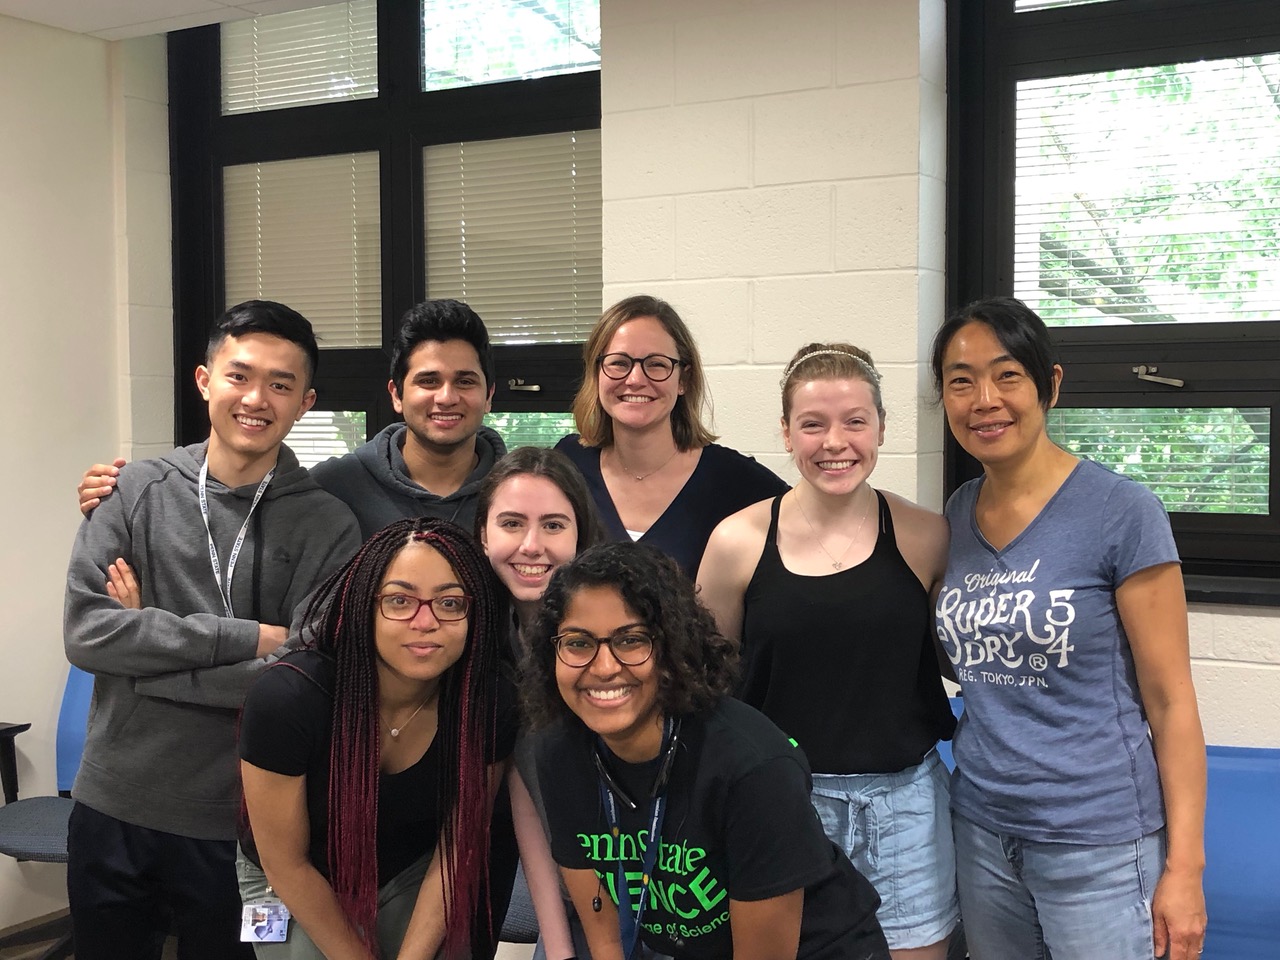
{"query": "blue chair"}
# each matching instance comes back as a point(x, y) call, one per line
point(1242, 854)
point(36, 828)
point(944, 746)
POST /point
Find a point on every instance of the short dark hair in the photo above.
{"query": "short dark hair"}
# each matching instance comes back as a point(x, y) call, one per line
point(266, 316)
point(1020, 331)
point(696, 665)
point(439, 320)
point(554, 466)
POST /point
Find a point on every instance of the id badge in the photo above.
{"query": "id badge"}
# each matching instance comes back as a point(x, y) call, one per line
point(264, 921)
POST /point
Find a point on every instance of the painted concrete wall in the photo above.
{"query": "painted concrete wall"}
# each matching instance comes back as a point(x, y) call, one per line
point(776, 170)
point(84, 294)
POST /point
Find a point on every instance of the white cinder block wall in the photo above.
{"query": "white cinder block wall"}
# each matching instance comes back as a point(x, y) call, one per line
point(775, 170)
point(87, 326)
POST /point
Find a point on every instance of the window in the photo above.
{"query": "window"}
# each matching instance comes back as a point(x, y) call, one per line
point(353, 159)
point(1113, 164)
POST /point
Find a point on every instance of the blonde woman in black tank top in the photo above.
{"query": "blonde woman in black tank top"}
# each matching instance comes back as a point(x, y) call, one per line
point(828, 588)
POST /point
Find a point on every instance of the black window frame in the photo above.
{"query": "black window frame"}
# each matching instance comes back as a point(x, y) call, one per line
point(399, 123)
point(990, 47)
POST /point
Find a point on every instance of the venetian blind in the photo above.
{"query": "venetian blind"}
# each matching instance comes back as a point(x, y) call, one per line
point(513, 228)
point(308, 233)
point(303, 56)
point(1150, 195)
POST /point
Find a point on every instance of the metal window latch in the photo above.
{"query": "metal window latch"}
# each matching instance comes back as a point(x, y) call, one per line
point(1145, 372)
point(517, 383)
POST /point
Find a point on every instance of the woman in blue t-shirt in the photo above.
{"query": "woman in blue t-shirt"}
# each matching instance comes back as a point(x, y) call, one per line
point(1079, 792)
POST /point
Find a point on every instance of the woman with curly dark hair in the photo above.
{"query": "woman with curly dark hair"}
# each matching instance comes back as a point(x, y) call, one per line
point(368, 759)
point(678, 816)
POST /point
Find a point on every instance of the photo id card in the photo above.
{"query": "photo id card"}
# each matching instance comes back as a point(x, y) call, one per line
point(264, 921)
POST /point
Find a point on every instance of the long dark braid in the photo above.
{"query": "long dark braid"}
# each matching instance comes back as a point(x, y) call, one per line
point(343, 613)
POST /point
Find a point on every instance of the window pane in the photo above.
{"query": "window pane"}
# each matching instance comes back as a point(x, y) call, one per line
point(1206, 460)
point(513, 228)
point(308, 233)
point(1150, 195)
point(304, 56)
point(1021, 6)
point(322, 434)
point(531, 429)
point(469, 42)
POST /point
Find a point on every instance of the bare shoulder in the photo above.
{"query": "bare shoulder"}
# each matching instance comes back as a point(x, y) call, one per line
point(737, 541)
point(923, 537)
point(914, 520)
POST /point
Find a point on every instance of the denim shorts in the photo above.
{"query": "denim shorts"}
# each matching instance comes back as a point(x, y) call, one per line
point(896, 828)
point(1027, 899)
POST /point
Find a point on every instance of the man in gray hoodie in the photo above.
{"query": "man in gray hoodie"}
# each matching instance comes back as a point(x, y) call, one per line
point(226, 538)
point(431, 465)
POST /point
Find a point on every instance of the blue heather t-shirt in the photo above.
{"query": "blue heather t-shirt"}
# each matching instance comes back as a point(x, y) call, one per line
point(1053, 743)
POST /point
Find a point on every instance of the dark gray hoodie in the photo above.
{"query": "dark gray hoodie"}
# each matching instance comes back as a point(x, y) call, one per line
point(160, 751)
point(375, 483)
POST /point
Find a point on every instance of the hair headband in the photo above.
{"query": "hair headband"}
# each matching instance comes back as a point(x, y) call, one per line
point(867, 368)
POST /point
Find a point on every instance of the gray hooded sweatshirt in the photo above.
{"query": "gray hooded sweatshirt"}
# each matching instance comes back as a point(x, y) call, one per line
point(160, 750)
point(375, 483)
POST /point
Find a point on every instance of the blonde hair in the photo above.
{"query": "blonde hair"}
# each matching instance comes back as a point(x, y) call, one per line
point(830, 361)
point(595, 427)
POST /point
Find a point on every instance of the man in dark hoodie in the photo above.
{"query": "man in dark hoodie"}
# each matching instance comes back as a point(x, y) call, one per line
point(431, 465)
point(225, 538)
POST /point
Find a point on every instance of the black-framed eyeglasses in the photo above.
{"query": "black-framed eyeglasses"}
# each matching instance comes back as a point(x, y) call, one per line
point(656, 366)
point(404, 606)
point(577, 648)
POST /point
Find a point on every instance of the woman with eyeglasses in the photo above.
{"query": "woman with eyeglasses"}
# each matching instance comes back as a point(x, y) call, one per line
point(652, 465)
point(369, 757)
point(679, 816)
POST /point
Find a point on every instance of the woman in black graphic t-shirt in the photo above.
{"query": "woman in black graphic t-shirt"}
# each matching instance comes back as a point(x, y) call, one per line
point(628, 675)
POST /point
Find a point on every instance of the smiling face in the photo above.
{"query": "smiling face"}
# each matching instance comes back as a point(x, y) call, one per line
point(618, 702)
point(444, 397)
point(529, 532)
point(834, 433)
point(256, 386)
point(991, 403)
point(411, 653)
point(636, 402)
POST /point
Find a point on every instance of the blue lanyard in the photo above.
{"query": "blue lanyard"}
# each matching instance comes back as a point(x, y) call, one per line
point(225, 592)
point(629, 916)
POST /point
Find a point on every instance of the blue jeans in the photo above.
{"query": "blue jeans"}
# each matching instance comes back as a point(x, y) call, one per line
point(1029, 900)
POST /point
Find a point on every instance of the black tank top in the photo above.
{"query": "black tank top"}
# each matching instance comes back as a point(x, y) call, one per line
point(844, 663)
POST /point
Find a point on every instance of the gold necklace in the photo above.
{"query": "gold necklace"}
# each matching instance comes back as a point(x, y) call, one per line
point(642, 476)
point(836, 564)
point(396, 731)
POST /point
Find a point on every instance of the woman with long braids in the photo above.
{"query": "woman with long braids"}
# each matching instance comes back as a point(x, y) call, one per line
point(679, 816)
point(368, 757)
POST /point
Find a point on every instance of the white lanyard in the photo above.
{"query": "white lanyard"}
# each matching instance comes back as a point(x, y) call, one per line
point(235, 550)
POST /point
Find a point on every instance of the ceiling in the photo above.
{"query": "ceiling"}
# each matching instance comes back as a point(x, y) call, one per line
point(121, 19)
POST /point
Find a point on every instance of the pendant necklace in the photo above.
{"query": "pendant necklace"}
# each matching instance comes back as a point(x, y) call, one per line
point(642, 476)
point(836, 562)
point(396, 731)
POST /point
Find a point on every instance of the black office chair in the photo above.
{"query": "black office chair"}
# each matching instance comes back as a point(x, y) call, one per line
point(35, 828)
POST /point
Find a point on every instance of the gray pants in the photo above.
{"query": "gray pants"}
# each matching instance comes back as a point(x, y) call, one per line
point(396, 900)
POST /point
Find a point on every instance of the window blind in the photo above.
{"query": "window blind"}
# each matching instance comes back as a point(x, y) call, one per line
point(308, 233)
point(303, 56)
point(469, 42)
point(513, 228)
point(322, 434)
point(1021, 6)
point(1150, 195)
point(1196, 460)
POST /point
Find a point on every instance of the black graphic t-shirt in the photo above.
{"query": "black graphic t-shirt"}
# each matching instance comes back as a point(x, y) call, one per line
point(738, 826)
